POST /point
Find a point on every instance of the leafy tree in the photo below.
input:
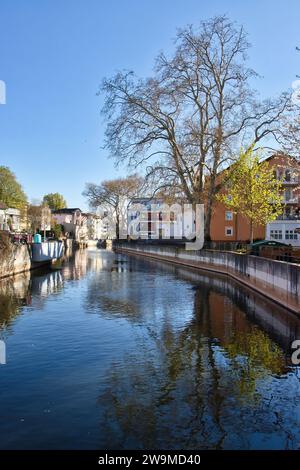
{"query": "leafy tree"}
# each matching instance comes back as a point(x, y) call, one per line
point(252, 190)
point(34, 217)
point(11, 192)
point(55, 201)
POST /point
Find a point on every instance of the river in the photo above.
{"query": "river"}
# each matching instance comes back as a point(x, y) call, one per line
point(108, 351)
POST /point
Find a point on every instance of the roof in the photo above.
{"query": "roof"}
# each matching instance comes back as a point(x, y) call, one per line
point(66, 210)
point(267, 159)
point(281, 154)
point(91, 214)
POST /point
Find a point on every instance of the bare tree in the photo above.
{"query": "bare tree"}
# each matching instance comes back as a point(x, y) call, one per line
point(187, 121)
point(113, 196)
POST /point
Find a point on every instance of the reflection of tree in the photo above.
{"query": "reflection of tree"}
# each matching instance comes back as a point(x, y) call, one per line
point(14, 293)
point(194, 387)
point(281, 326)
point(254, 356)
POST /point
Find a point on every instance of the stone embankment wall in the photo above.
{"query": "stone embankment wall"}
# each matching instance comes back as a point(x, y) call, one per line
point(16, 259)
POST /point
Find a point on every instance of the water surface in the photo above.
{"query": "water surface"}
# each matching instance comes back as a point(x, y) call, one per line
point(109, 351)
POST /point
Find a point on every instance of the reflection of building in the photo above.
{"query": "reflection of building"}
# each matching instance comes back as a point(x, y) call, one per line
point(10, 218)
point(75, 267)
point(46, 284)
point(229, 226)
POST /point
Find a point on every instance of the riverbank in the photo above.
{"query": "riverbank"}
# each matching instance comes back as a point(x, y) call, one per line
point(16, 259)
point(276, 280)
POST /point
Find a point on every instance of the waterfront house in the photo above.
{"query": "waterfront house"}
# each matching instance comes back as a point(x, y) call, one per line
point(73, 222)
point(96, 227)
point(153, 218)
point(227, 226)
point(10, 218)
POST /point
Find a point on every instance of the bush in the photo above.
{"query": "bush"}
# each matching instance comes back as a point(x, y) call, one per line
point(57, 230)
point(5, 241)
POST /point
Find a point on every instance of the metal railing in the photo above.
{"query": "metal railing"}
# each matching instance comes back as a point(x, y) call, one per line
point(288, 217)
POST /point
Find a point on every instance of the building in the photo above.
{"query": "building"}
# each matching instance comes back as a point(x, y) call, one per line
point(96, 226)
point(153, 218)
point(233, 227)
point(73, 221)
point(10, 218)
point(287, 226)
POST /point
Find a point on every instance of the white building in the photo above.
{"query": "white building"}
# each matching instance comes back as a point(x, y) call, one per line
point(96, 227)
point(151, 218)
point(286, 228)
point(10, 218)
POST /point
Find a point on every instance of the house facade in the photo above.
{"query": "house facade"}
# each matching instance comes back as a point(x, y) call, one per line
point(287, 226)
point(153, 218)
point(81, 226)
point(73, 221)
point(228, 226)
point(10, 218)
point(96, 227)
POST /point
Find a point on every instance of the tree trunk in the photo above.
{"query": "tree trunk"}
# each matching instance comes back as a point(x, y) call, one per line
point(251, 231)
point(207, 221)
point(117, 226)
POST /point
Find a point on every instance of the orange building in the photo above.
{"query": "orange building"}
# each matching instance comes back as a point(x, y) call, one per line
point(233, 227)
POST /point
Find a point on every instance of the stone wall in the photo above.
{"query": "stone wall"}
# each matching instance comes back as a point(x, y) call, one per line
point(20, 258)
point(15, 259)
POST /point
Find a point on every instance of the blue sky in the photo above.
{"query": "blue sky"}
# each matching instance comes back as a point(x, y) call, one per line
point(53, 55)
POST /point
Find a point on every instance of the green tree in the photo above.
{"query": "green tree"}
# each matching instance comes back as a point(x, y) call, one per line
point(11, 192)
point(252, 190)
point(55, 201)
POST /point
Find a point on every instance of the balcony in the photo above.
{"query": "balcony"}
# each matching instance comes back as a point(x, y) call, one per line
point(291, 200)
point(291, 181)
point(289, 217)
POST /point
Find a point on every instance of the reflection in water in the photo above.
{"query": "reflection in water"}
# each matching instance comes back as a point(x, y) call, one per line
point(208, 385)
point(126, 353)
point(14, 292)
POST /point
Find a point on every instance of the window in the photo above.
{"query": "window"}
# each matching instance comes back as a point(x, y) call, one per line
point(172, 216)
point(228, 231)
point(288, 194)
point(228, 215)
point(276, 234)
point(291, 235)
point(287, 175)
